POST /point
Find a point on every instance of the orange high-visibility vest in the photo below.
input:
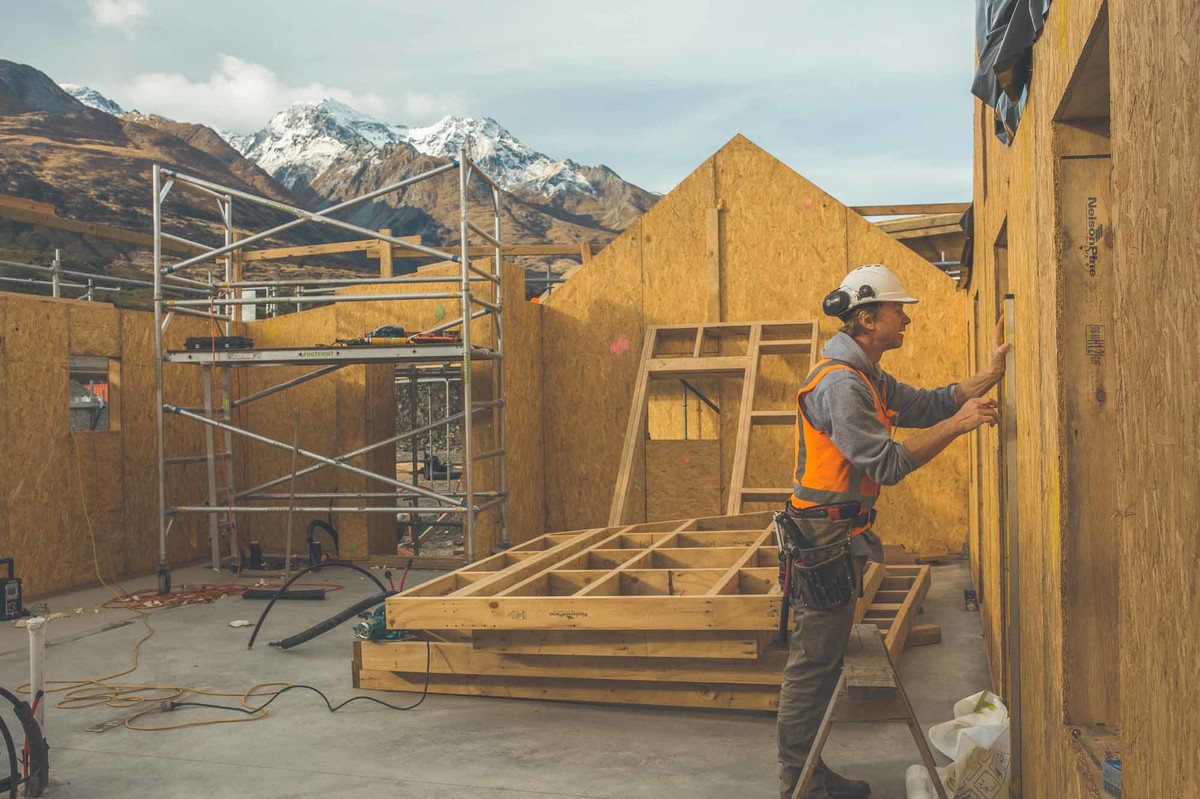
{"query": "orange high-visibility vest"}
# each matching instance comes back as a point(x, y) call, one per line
point(823, 475)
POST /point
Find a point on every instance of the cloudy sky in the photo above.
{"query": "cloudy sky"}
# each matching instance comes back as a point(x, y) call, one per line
point(869, 99)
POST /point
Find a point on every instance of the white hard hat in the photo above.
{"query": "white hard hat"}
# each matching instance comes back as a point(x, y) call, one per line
point(864, 285)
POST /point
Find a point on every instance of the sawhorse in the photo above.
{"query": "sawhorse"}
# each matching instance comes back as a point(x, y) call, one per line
point(868, 690)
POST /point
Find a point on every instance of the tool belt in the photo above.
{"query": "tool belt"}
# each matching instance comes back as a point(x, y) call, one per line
point(817, 577)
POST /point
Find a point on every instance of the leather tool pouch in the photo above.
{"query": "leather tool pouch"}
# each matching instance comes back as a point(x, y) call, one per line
point(823, 577)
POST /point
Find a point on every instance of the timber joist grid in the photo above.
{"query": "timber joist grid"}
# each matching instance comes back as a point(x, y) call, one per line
point(698, 574)
point(680, 614)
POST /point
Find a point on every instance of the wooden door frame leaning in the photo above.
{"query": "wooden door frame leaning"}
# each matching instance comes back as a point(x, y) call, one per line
point(706, 358)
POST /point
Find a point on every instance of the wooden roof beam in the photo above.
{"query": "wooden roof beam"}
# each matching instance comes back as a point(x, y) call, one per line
point(911, 209)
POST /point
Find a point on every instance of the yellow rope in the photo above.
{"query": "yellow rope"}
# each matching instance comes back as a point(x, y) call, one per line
point(100, 691)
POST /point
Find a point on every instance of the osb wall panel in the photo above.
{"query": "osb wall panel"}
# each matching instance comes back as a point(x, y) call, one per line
point(43, 523)
point(783, 245)
point(1156, 158)
point(1154, 641)
point(592, 342)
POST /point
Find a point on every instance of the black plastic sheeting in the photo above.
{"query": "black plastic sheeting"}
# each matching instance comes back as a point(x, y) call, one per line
point(1005, 31)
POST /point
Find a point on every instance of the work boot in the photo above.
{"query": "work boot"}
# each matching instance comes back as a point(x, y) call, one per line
point(839, 787)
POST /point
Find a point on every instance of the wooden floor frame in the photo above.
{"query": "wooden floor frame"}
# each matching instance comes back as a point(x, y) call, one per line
point(682, 613)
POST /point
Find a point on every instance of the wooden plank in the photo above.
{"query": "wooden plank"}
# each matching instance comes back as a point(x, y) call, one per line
point(924, 635)
point(773, 417)
point(625, 643)
point(778, 495)
point(712, 257)
point(737, 474)
point(894, 226)
point(458, 658)
point(510, 250)
point(753, 612)
point(868, 674)
point(144, 240)
point(333, 248)
point(717, 366)
point(728, 697)
point(385, 255)
point(8, 201)
point(919, 233)
point(786, 347)
point(635, 432)
point(911, 208)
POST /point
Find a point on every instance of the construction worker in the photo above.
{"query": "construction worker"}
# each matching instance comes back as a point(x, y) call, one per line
point(846, 410)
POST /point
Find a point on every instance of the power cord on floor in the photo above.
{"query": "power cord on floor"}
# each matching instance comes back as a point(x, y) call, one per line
point(102, 691)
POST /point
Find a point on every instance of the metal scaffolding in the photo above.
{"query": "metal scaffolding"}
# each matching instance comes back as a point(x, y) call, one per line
point(223, 300)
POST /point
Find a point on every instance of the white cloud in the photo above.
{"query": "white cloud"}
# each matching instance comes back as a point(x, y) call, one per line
point(241, 96)
point(122, 14)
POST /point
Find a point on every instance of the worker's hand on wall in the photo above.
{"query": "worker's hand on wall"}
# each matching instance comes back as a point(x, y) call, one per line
point(975, 413)
point(999, 351)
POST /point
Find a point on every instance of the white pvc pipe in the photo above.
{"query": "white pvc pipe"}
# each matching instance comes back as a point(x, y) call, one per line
point(37, 658)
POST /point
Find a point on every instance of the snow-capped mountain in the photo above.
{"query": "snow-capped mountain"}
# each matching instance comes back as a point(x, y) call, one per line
point(92, 98)
point(514, 165)
point(305, 139)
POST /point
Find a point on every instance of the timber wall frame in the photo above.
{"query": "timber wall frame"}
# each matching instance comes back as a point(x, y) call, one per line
point(1084, 501)
point(743, 238)
point(222, 307)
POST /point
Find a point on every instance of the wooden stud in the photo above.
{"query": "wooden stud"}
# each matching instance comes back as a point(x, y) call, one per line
point(385, 255)
point(745, 410)
point(634, 432)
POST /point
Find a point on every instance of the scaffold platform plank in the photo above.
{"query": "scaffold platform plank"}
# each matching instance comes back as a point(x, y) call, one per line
point(425, 353)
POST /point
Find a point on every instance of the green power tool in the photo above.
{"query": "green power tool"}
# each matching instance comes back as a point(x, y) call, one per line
point(373, 626)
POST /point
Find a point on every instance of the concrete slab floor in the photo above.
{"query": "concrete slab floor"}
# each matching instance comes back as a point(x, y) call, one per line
point(447, 747)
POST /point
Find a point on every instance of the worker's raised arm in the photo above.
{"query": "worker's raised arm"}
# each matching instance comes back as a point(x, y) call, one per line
point(982, 382)
point(920, 407)
point(924, 447)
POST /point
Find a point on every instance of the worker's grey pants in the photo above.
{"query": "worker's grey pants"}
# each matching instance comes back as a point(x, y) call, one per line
point(816, 647)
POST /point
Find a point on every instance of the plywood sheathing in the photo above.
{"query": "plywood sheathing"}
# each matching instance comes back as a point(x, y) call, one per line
point(42, 520)
point(1156, 158)
point(1152, 641)
point(784, 244)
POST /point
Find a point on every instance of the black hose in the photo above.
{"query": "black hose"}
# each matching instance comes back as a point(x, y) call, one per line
point(39, 760)
point(330, 530)
point(332, 621)
point(15, 779)
point(297, 576)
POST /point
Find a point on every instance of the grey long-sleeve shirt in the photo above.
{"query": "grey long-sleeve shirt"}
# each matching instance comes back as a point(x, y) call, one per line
point(842, 407)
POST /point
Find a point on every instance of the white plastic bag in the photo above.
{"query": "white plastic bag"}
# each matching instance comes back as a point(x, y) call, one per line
point(978, 741)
